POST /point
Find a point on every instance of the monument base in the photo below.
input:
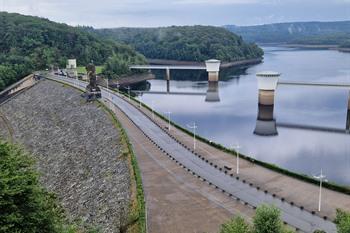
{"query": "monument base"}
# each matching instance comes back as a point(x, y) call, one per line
point(92, 93)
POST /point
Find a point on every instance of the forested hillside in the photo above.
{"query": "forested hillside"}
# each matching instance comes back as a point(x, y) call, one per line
point(335, 33)
point(186, 43)
point(30, 43)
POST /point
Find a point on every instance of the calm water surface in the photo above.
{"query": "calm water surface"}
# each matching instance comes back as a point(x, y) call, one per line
point(234, 119)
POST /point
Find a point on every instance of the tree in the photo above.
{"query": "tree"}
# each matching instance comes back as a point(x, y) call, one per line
point(186, 43)
point(31, 43)
point(25, 205)
point(236, 225)
point(343, 221)
point(267, 220)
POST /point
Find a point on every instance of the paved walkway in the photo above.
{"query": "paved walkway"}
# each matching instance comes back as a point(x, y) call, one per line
point(176, 200)
point(208, 163)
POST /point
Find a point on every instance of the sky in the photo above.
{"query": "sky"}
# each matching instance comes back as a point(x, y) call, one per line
point(151, 13)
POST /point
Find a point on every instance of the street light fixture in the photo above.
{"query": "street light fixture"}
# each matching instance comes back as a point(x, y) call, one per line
point(322, 178)
point(168, 119)
point(237, 147)
point(194, 127)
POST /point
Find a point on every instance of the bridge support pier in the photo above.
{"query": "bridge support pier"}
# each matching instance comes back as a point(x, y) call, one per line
point(213, 68)
point(167, 74)
point(168, 86)
point(267, 84)
point(167, 77)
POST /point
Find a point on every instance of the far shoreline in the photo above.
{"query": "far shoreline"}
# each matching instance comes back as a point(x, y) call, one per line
point(245, 62)
point(307, 46)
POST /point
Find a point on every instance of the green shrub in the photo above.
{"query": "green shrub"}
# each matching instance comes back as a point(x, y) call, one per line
point(267, 220)
point(343, 221)
point(236, 225)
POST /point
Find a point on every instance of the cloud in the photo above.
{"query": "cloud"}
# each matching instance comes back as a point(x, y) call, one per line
point(217, 2)
point(134, 13)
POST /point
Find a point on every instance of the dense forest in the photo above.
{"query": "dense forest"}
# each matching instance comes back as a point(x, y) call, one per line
point(325, 33)
point(185, 43)
point(30, 43)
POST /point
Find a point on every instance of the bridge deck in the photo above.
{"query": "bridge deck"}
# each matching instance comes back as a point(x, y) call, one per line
point(319, 84)
point(171, 93)
point(166, 67)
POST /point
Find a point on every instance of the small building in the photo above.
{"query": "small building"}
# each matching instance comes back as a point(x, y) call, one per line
point(72, 64)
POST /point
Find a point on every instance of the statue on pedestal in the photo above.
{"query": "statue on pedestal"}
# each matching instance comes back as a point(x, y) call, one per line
point(92, 90)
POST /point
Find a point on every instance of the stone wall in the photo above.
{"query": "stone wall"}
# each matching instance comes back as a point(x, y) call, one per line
point(78, 151)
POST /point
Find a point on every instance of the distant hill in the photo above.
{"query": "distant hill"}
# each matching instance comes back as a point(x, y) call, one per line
point(30, 43)
point(185, 43)
point(336, 33)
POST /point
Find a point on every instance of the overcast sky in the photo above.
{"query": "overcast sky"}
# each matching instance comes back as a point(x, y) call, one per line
point(148, 13)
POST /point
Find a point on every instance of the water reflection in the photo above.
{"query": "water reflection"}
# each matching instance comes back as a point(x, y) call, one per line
point(265, 123)
point(238, 118)
point(211, 95)
point(213, 92)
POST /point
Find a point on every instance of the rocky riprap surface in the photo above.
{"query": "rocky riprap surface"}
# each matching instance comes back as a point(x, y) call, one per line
point(78, 152)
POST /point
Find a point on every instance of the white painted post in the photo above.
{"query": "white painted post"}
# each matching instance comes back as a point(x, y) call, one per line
point(321, 177)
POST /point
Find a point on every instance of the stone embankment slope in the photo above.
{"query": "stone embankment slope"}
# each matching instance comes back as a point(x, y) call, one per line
point(78, 152)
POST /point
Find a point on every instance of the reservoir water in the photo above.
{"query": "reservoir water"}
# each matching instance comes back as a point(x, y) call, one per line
point(306, 130)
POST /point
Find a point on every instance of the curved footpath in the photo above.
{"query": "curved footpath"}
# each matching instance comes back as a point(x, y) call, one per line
point(202, 165)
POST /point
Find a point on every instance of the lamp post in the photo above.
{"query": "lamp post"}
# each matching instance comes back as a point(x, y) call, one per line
point(118, 86)
point(107, 83)
point(77, 79)
point(152, 106)
point(128, 92)
point(194, 127)
point(168, 119)
point(140, 98)
point(237, 147)
point(322, 178)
